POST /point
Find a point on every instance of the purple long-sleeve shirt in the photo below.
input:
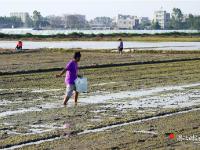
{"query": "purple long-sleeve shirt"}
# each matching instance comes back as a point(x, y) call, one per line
point(72, 72)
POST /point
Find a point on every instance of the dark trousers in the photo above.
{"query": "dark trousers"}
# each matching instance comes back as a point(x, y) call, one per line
point(19, 47)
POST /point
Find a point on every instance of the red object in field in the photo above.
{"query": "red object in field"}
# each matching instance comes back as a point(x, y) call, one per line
point(171, 136)
point(19, 44)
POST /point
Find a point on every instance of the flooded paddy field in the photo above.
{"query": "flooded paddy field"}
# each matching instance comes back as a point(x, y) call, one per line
point(126, 107)
point(99, 45)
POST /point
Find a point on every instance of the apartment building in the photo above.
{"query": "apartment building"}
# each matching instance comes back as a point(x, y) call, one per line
point(162, 17)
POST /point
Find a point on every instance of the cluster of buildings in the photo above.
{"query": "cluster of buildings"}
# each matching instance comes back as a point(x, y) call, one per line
point(24, 16)
point(125, 22)
point(133, 22)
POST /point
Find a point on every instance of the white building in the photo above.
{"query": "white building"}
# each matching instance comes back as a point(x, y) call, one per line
point(127, 22)
point(22, 15)
point(162, 17)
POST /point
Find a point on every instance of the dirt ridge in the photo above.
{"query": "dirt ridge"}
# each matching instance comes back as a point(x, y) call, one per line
point(98, 66)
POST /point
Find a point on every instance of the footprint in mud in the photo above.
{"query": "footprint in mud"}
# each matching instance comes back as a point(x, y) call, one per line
point(37, 122)
point(196, 127)
point(3, 135)
point(67, 134)
point(152, 128)
point(115, 148)
point(141, 140)
point(57, 118)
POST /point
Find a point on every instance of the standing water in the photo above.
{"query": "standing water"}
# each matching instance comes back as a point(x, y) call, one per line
point(104, 45)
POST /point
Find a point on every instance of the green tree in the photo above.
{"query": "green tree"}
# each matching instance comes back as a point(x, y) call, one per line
point(74, 21)
point(155, 25)
point(196, 23)
point(39, 21)
point(144, 25)
point(37, 17)
point(192, 22)
point(28, 22)
point(55, 21)
point(176, 21)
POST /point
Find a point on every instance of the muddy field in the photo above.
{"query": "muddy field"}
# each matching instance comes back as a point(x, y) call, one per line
point(12, 61)
point(134, 105)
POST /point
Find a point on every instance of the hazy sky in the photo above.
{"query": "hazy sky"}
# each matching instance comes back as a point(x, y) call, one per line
point(92, 8)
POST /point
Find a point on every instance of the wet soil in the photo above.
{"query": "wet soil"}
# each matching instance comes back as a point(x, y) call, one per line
point(32, 111)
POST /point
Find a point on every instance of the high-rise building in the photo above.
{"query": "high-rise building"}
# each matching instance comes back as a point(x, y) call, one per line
point(162, 17)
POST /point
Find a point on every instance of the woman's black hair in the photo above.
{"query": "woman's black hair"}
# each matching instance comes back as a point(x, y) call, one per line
point(77, 55)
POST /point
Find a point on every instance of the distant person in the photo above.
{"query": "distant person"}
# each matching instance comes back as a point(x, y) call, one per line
point(19, 45)
point(120, 47)
point(71, 70)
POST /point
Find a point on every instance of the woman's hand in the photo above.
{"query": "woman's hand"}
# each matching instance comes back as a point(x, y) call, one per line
point(80, 76)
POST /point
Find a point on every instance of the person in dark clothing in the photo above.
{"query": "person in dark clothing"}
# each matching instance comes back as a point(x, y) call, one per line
point(120, 47)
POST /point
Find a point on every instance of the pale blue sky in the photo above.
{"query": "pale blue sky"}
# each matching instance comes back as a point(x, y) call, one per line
point(92, 8)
